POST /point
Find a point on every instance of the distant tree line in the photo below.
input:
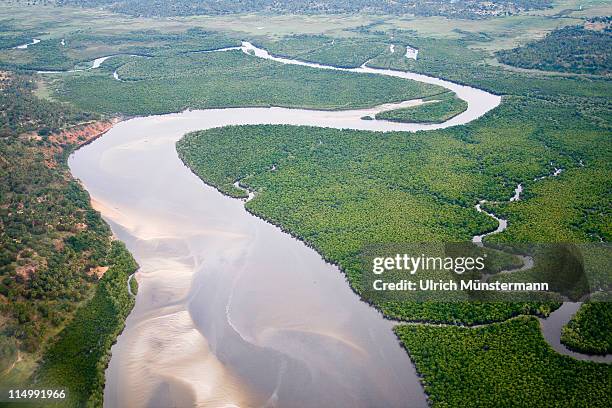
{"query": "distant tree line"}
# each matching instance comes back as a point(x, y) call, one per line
point(459, 8)
point(579, 49)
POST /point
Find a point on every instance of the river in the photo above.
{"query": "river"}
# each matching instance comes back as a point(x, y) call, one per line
point(553, 324)
point(230, 310)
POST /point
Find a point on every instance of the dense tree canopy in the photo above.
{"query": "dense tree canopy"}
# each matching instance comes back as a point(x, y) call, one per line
point(571, 49)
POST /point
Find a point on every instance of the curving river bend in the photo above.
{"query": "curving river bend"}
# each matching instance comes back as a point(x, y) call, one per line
point(230, 310)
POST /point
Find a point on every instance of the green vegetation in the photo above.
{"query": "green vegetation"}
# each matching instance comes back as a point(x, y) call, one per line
point(501, 365)
point(437, 109)
point(461, 61)
point(229, 79)
point(21, 111)
point(134, 286)
point(331, 189)
point(78, 359)
point(460, 8)
point(80, 48)
point(49, 235)
point(578, 49)
point(589, 330)
point(54, 308)
point(573, 207)
point(339, 52)
point(46, 55)
point(9, 40)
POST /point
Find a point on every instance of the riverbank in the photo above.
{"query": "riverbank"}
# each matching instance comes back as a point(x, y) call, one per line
point(76, 361)
point(60, 310)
